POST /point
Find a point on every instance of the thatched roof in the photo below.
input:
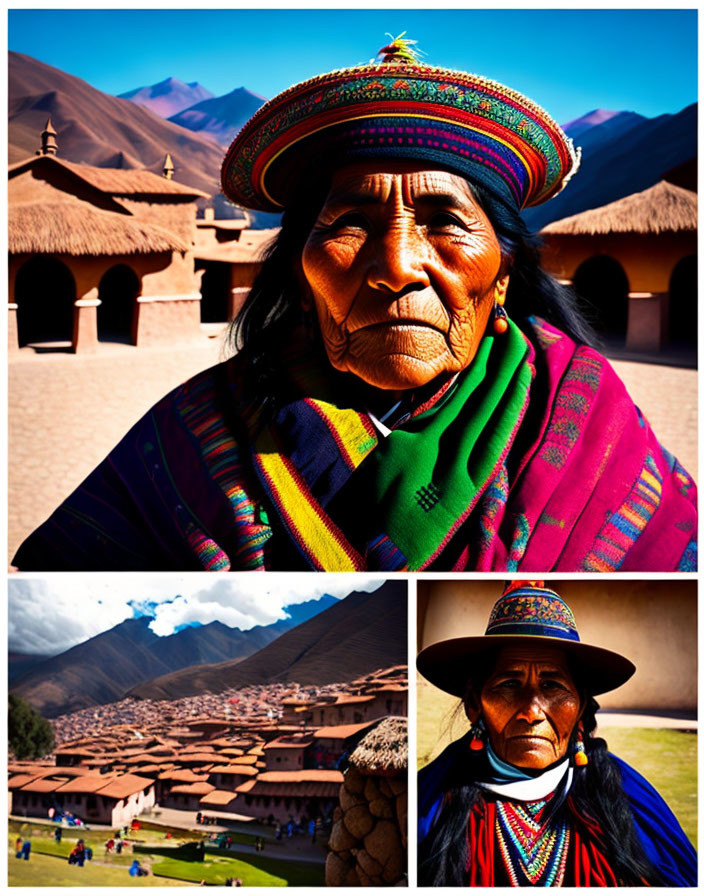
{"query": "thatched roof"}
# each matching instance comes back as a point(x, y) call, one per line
point(73, 227)
point(384, 751)
point(659, 209)
point(115, 181)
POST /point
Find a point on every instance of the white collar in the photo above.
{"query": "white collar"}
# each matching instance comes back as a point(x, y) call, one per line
point(383, 430)
point(533, 788)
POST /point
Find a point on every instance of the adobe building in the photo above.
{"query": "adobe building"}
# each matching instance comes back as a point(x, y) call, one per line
point(309, 793)
point(229, 256)
point(101, 799)
point(653, 623)
point(230, 776)
point(635, 262)
point(100, 254)
point(345, 710)
point(187, 797)
point(286, 753)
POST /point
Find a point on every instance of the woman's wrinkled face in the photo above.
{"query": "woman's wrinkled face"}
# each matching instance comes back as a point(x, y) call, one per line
point(402, 267)
point(530, 706)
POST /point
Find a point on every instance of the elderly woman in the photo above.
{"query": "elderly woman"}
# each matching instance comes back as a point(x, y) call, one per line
point(411, 390)
point(530, 797)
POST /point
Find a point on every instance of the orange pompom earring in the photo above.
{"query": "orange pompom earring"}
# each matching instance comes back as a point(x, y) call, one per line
point(580, 753)
point(500, 320)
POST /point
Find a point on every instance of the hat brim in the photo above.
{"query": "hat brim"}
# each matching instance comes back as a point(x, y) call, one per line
point(449, 664)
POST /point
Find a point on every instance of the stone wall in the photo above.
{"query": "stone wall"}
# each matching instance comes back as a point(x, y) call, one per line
point(368, 844)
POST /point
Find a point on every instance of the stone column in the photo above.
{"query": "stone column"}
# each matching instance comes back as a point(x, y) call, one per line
point(13, 342)
point(646, 321)
point(85, 322)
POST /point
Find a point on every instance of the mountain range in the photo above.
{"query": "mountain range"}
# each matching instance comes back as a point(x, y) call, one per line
point(222, 116)
point(361, 633)
point(622, 152)
point(98, 129)
point(104, 668)
point(168, 97)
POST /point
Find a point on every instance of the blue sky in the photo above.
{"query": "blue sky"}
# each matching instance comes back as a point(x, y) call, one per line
point(50, 615)
point(570, 61)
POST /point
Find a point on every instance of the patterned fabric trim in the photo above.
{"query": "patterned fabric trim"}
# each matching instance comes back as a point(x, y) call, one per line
point(572, 408)
point(625, 525)
point(532, 611)
point(534, 852)
point(688, 563)
point(310, 528)
point(221, 455)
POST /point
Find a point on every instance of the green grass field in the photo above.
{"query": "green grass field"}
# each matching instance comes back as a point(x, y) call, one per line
point(50, 871)
point(48, 865)
point(666, 758)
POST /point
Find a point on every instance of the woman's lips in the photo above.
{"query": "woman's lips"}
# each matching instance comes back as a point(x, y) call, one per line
point(421, 308)
point(399, 323)
point(530, 738)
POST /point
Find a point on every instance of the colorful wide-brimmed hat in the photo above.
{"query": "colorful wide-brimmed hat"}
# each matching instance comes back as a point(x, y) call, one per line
point(526, 613)
point(399, 108)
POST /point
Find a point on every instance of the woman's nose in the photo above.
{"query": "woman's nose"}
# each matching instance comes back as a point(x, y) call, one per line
point(532, 710)
point(398, 259)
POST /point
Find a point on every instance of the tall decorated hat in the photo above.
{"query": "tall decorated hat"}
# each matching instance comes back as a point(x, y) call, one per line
point(399, 108)
point(526, 613)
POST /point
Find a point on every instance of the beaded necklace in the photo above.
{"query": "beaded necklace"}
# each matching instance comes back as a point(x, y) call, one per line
point(534, 851)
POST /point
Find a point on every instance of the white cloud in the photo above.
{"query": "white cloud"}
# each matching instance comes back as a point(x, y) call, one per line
point(50, 615)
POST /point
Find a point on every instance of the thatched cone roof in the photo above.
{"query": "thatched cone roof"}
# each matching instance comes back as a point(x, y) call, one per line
point(659, 209)
point(384, 750)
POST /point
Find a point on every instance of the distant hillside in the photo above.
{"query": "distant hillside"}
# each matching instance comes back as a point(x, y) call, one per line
point(167, 97)
point(20, 664)
point(222, 116)
point(355, 636)
point(104, 668)
point(98, 129)
point(621, 155)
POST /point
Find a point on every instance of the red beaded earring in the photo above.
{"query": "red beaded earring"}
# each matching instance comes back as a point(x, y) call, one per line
point(478, 733)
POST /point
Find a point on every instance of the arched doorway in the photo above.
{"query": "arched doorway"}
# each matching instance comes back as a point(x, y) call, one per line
point(602, 283)
point(117, 291)
point(215, 293)
point(45, 292)
point(683, 303)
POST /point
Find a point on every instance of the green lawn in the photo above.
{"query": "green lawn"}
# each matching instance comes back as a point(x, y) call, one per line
point(266, 873)
point(50, 871)
point(48, 865)
point(666, 758)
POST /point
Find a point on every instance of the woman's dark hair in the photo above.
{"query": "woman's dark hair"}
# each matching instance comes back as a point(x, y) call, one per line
point(272, 310)
point(596, 794)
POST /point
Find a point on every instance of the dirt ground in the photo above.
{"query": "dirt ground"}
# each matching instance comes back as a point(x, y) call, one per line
point(67, 411)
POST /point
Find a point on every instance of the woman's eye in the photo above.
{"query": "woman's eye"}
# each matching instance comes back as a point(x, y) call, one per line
point(551, 684)
point(350, 219)
point(509, 683)
point(445, 219)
